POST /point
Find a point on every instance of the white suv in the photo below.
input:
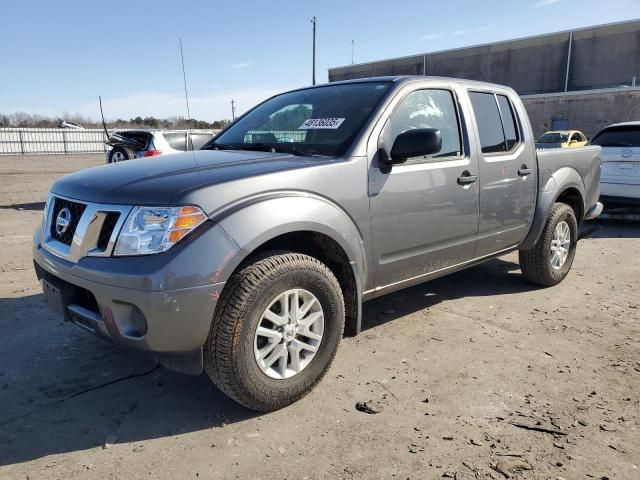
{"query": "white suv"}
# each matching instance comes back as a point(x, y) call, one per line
point(620, 177)
point(129, 144)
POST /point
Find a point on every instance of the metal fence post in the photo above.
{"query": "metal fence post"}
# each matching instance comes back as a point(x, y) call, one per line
point(64, 141)
point(21, 143)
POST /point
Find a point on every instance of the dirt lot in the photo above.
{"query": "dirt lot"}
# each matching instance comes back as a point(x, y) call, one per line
point(468, 370)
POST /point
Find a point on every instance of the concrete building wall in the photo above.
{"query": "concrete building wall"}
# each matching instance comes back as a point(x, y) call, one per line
point(601, 57)
point(606, 57)
point(534, 66)
point(587, 111)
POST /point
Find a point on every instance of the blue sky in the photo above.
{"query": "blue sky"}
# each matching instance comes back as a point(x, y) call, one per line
point(58, 56)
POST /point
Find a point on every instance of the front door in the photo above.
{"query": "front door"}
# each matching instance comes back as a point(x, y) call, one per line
point(424, 214)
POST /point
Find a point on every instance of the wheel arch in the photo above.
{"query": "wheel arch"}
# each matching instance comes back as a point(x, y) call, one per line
point(305, 225)
point(564, 185)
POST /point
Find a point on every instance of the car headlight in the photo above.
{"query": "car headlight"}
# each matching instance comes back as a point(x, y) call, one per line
point(150, 230)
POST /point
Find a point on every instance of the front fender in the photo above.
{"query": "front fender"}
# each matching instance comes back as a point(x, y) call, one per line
point(258, 221)
point(553, 185)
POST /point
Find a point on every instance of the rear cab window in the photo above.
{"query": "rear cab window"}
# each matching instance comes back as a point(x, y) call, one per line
point(496, 121)
point(177, 140)
point(197, 140)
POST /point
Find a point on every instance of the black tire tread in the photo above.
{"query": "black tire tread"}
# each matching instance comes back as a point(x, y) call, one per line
point(227, 319)
point(534, 263)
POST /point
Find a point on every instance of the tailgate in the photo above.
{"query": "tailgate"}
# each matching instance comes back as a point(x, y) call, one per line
point(621, 165)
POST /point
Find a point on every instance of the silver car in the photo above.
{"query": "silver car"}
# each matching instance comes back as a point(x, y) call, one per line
point(129, 144)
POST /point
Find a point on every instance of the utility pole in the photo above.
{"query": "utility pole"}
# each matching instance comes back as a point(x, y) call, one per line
point(233, 110)
point(313, 77)
point(353, 47)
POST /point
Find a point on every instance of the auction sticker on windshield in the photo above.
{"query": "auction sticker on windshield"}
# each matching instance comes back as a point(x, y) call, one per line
point(321, 123)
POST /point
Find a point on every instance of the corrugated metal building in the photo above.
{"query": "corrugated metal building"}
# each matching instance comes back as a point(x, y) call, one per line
point(605, 59)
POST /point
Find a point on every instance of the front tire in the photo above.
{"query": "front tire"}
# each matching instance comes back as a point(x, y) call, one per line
point(275, 331)
point(550, 260)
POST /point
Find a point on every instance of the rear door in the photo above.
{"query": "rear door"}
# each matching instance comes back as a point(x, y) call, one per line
point(508, 173)
point(423, 219)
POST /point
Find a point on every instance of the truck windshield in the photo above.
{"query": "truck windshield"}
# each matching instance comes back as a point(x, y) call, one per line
point(315, 121)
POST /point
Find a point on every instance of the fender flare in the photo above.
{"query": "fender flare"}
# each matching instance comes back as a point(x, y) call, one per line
point(553, 185)
point(258, 220)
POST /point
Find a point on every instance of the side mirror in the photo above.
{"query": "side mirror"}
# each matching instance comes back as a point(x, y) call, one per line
point(415, 143)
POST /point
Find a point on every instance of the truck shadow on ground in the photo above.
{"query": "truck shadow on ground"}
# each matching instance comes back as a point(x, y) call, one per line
point(495, 277)
point(33, 206)
point(62, 390)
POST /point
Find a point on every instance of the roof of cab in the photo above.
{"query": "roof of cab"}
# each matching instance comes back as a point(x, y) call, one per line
point(413, 78)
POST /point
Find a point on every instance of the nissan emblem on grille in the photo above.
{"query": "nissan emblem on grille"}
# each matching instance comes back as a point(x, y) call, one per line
point(63, 220)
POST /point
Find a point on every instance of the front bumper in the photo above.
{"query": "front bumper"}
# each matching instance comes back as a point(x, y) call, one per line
point(162, 303)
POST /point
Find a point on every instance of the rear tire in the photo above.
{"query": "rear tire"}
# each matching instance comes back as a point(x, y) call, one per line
point(118, 154)
point(550, 260)
point(234, 355)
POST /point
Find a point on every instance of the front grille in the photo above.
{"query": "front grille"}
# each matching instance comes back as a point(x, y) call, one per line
point(75, 209)
point(109, 224)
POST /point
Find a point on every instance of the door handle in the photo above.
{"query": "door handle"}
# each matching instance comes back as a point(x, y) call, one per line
point(524, 171)
point(466, 178)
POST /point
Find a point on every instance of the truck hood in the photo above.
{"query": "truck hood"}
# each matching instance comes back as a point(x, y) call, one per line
point(161, 180)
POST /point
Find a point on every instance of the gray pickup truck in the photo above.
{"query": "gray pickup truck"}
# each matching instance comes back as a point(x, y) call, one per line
point(251, 257)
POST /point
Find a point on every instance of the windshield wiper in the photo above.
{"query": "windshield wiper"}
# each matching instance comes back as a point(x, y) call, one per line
point(262, 147)
point(269, 147)
point(217, 146)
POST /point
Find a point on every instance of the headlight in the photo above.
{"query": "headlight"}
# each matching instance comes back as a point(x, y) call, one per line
point(156, 229)
point(45, 210)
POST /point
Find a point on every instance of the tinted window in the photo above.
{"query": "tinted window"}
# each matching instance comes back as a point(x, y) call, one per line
point(488, 121)
point(427, 109)
point(508, 121)
point(322, 120)
point(198, 140)
point(627, 136)
point(177, 141)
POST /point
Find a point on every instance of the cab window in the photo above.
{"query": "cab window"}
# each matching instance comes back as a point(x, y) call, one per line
point(431, 108)
point(508, 121)
point(496, 121)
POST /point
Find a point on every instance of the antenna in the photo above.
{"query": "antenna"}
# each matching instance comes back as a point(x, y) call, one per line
point(186, 94)
point(233, 110)
point(313, 75)
point(102, 115)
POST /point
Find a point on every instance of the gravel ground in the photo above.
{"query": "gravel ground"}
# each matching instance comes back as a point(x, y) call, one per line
point(476, 375)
